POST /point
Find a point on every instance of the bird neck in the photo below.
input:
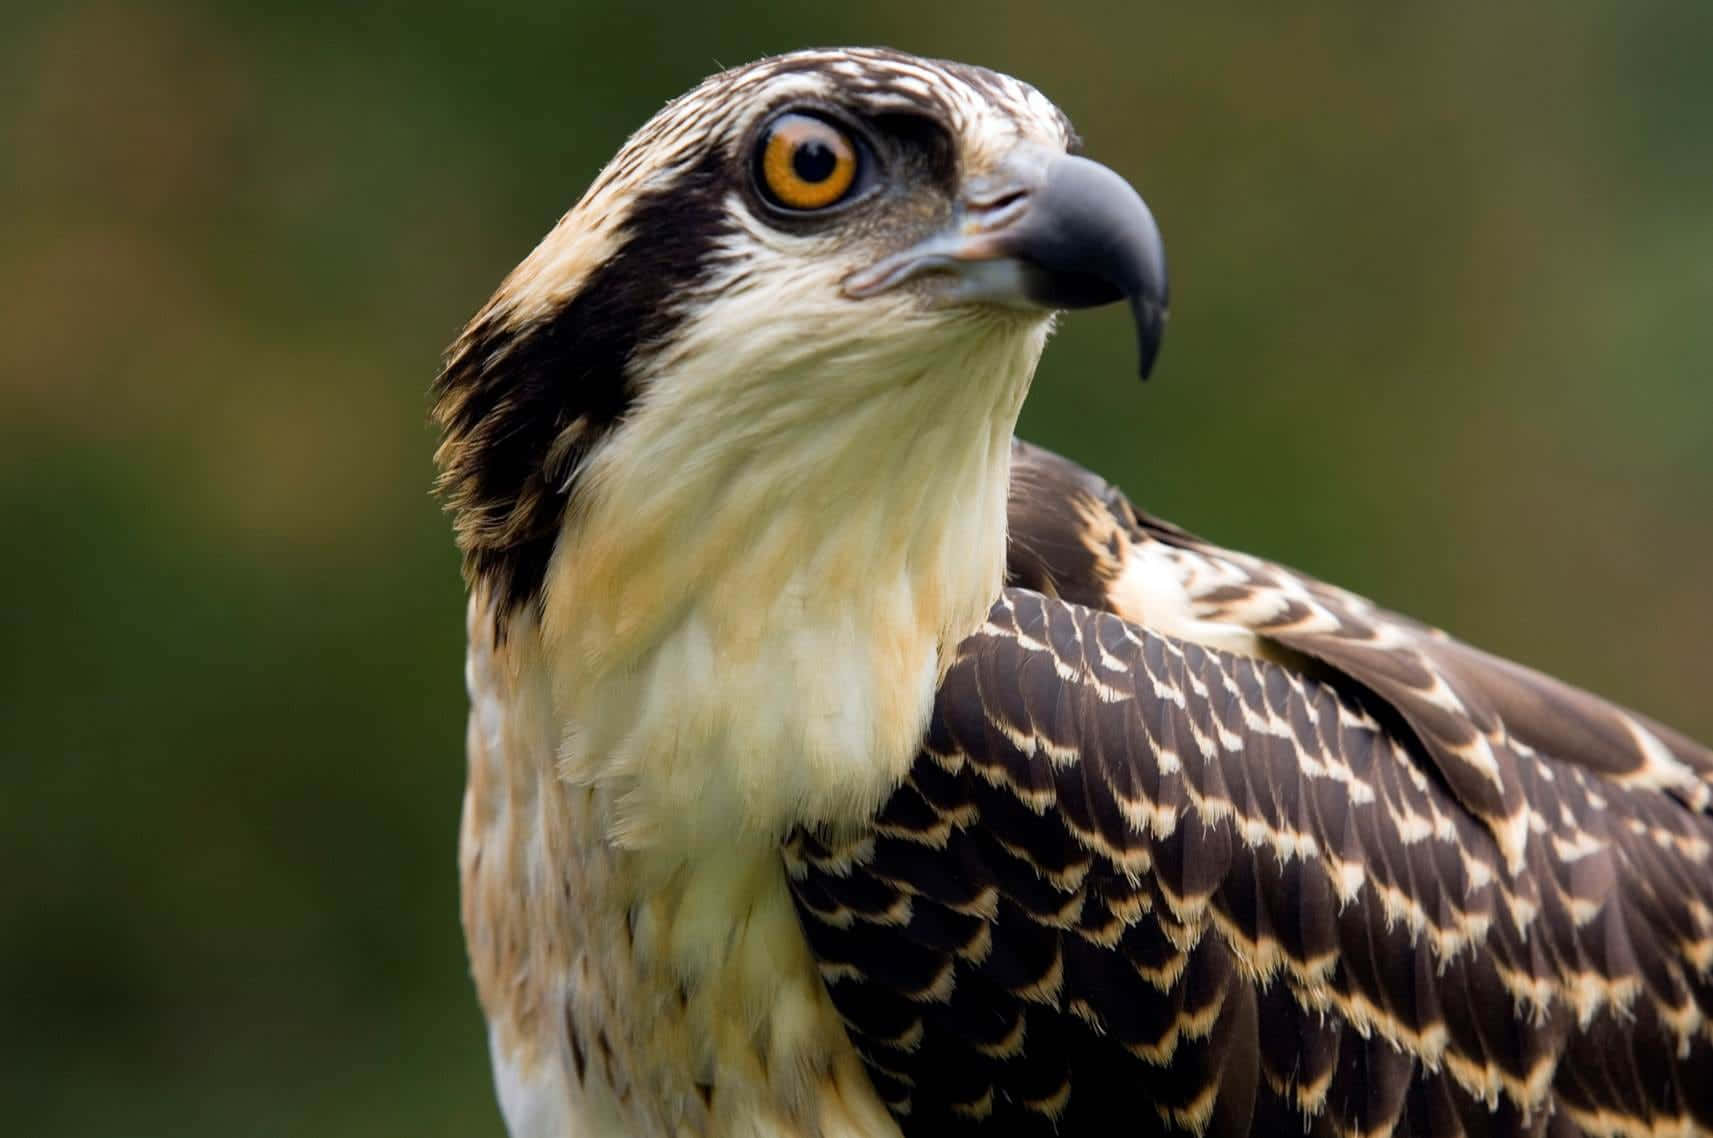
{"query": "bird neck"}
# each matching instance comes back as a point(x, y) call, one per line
point(742, 630)
point(748, 615)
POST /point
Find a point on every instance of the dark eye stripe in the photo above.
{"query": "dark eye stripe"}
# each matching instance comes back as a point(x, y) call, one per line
point(521, 409)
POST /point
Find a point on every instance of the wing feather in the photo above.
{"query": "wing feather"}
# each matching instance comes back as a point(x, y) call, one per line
point(1078, 538)
point(1135, 877)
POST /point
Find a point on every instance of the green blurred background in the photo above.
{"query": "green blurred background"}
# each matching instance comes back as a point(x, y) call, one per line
point(1443, 333)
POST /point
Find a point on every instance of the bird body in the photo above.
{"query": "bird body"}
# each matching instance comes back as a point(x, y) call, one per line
point(840, 767)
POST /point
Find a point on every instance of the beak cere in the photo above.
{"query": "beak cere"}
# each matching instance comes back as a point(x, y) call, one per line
point(1045, 230)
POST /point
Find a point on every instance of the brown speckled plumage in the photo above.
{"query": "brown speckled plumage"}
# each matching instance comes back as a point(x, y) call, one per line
point(1132, 877)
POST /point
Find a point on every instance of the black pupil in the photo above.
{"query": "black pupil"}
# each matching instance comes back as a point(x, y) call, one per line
point(814, 161)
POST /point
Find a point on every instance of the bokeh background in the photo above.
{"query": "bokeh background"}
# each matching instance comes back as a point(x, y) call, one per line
point(1443, 333)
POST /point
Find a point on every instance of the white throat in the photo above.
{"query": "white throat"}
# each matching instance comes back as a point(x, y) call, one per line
point(743, 627)
point(747, 617)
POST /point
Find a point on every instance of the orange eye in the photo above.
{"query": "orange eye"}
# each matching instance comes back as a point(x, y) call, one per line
point(805, 162)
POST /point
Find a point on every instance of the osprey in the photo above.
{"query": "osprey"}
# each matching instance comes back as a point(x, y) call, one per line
point(839, 766)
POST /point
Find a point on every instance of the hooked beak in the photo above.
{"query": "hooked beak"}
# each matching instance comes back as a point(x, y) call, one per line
point(1044, 230)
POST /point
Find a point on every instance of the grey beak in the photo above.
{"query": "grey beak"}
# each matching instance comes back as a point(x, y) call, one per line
point(1089, 239)
point(1045, 230)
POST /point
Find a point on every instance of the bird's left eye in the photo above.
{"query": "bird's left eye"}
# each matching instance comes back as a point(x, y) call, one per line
point(805, 163)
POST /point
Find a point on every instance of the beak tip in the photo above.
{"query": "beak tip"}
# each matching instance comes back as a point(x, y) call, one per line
point(1150, 319)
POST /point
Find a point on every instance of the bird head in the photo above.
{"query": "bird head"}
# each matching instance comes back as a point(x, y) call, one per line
point(795, 260)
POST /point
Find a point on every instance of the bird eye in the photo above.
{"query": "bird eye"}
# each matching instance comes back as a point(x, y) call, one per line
point(805, 163)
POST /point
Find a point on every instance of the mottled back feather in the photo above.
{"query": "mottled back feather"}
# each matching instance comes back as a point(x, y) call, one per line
point(1360, 880)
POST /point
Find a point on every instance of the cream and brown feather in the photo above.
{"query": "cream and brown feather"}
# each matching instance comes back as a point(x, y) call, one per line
point(1228, 892)
point(840, 768)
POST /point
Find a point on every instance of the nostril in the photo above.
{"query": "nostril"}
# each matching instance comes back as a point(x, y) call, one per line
point(1001, 208)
